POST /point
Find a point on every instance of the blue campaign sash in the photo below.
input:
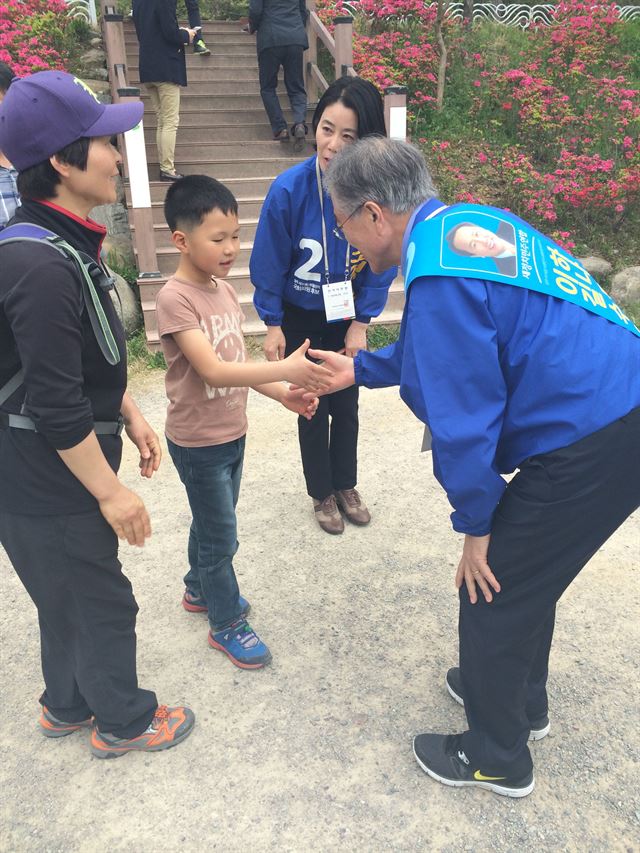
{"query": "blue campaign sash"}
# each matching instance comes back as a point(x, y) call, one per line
point(531, 260)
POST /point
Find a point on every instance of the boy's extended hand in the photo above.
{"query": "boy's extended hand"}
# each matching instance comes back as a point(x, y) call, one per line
point(305, 373)
point(294, 400)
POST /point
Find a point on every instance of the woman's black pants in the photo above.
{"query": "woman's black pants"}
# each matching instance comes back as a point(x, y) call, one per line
point(69, 566)
point(329, 441)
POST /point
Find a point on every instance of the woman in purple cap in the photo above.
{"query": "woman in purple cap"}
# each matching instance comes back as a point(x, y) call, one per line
point(63, 403)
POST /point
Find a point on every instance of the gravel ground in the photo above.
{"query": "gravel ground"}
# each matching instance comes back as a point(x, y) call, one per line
point(314, 752)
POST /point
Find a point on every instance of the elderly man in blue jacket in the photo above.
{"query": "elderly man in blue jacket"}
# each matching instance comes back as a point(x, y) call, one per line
point(537, 372)
point(163, 70)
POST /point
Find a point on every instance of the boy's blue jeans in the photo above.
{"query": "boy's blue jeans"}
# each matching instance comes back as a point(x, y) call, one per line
point(211, 475)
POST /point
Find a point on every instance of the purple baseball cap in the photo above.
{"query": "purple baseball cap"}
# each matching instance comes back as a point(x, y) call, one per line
point(46, 111)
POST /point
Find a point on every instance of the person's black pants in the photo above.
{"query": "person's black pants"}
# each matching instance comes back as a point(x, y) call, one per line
point(329, 441)
point(270, 60)
point(554, 515)
point(69, 566)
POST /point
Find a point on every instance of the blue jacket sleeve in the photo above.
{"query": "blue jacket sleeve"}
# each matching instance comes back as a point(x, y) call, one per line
point(453, 381)
point(271, 256)
point(380, 369)
point(371, 291)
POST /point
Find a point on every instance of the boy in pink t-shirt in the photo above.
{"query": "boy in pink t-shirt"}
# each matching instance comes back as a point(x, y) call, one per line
point(199, 322)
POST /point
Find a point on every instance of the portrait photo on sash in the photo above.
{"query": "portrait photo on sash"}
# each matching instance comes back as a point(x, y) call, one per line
point(478, 243)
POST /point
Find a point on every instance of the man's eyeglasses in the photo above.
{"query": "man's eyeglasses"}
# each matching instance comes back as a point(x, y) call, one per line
point(337, 231)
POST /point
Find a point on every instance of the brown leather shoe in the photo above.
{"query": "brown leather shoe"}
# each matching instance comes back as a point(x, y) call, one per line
point(353, 506)
point(328, 516)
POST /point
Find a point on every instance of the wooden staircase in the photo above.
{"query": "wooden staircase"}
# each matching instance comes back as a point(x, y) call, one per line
point(224, 132)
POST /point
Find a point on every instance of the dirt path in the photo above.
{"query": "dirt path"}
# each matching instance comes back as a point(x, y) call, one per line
point(314, 752)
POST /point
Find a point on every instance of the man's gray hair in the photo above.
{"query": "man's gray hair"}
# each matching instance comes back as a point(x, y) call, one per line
point(390, 172)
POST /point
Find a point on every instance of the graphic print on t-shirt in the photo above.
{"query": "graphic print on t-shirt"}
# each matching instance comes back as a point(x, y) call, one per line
point(224, 333)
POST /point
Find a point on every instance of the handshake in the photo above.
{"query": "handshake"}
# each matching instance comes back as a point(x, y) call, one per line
point(328, 372)
point(310, 379)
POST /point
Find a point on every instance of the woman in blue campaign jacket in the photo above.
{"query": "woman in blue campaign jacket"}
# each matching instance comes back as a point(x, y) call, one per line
point(310, 283)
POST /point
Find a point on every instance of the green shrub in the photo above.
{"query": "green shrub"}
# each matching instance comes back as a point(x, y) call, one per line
point(381, 336)
point(140, 357)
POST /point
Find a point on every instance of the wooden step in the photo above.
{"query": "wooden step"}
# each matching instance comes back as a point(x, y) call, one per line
point(251, 131)
point(208, 27)
point(224, 47)
point(224, 37)
point(223, 150)
point(209, 116)
point(201, 100)
point(248, 208)
point(216, 87)
point(240, 62)
point(226, 169)
point(210, 71)
point(240, 187)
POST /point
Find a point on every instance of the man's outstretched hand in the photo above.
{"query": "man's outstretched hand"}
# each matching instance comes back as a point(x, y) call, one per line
point(340, 365)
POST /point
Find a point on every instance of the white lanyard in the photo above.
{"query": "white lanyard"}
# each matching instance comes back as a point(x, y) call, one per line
point(324, 232)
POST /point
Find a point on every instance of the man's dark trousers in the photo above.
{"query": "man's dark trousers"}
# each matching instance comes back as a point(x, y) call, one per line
point(289, 57)
point(554, 515)
point(69, 566)
point(193, 13)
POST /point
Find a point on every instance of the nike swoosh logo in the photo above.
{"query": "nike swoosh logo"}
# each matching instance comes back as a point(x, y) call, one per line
point(482, 778)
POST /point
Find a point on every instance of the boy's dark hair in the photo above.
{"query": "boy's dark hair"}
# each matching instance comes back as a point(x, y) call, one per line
point(191, 198)
point(40, 181)
point(358, 95)
point(6, 76)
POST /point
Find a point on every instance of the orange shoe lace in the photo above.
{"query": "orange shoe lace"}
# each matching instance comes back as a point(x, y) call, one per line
point(161, 714)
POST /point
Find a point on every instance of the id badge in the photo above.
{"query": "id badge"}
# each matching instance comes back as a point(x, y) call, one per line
point(338, 301)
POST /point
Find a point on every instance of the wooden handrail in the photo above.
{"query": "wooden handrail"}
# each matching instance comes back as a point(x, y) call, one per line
point(135, 156)
point(321, 32)
point(318, 77)
point(340, 46)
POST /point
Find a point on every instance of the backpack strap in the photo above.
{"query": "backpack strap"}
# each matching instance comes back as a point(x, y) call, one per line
point(12, 385)
point(27, 232)
point(88, 270)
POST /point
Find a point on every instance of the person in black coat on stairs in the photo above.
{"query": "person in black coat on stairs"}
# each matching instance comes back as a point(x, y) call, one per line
point(163, 70)
point(281, 41)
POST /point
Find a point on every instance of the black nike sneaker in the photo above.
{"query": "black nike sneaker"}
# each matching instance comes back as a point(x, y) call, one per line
point(442, 757)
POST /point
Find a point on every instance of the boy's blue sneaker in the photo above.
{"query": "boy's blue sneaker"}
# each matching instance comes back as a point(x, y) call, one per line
point(196, 604)
point(241, 645)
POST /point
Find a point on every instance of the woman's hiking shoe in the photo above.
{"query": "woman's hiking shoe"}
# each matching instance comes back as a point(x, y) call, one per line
point(442, 757)
point(351, 504)
point(51, 726)
point(196, 604)
point(241, 645)
point(328, 515)
point(168, 727)
point(539, 728)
